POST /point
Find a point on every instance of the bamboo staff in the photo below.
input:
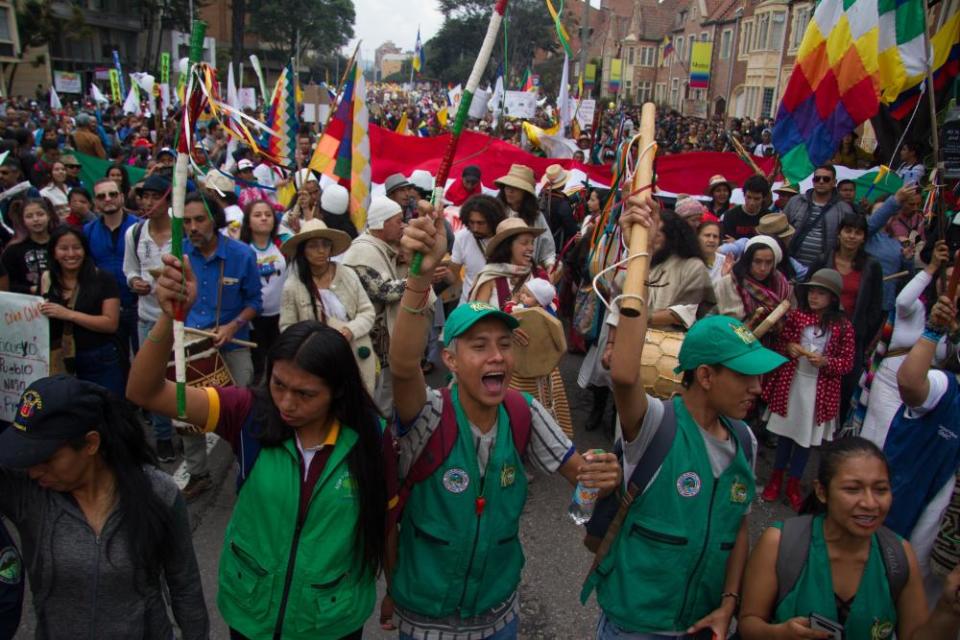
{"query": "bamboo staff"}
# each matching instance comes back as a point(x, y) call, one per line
point(176, 233)
point(635, 284)
point(489, 40)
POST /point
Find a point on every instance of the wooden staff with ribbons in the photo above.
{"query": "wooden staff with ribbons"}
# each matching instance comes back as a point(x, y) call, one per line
point(489, 40)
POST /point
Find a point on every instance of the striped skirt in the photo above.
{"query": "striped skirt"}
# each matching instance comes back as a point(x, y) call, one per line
point(550, 392)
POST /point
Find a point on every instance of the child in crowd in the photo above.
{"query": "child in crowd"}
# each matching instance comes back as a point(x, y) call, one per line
point(537, 292)
point(819, 341)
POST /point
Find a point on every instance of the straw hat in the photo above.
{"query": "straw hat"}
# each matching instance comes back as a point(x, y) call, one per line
point(718, 180)
point(216, 181)
point(507, 229)
point(787, 188)
point(556, 176)
point(521, 177)
point(315, 228)
point(776, 225)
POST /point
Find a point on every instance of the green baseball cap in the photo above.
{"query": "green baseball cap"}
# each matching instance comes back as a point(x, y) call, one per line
point(468, 314)
point(726, 341)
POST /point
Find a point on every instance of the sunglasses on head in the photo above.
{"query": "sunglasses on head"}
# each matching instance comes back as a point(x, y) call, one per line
point(109, 194)
point(822, 178)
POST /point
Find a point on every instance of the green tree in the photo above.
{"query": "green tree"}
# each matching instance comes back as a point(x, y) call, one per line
point(451, 53)
point(323, 26)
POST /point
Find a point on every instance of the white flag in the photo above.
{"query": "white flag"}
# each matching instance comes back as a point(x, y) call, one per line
point(496, 102)
point(233, 98)
point(146, 82)
point(563, 100)
point(132, 104)
point(97, 95)
point(55, 100)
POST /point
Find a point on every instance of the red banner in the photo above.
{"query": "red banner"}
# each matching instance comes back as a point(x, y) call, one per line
point(680, 173)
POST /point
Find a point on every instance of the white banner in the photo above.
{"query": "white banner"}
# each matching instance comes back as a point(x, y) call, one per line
point(520, 104)
point(67, 82)
point(248, 98)
point(586, 112)
point(24, 347)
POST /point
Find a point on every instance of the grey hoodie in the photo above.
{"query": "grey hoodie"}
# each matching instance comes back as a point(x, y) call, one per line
point(86, 586)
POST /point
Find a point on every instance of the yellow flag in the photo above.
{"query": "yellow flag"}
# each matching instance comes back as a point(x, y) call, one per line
point(442, 118)
point(402, 127)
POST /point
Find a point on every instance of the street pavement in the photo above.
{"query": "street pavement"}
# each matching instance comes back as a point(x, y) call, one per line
point(557, 561)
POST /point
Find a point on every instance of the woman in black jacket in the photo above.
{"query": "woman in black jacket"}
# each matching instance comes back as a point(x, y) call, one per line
point(861, 296)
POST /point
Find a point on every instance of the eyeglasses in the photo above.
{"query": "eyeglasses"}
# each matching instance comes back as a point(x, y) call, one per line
point(822, 178)
point(109, 194)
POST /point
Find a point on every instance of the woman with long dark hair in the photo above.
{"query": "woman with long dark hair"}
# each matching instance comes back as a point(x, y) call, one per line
point(26, 256)
point(83, 304)
point(105, 534)
point(849, 571)
point(259, 230)
point(319, 289)
point(55, 188)
point(305, 542)
point(861, 296)
point(118, 173)
point(755, 286)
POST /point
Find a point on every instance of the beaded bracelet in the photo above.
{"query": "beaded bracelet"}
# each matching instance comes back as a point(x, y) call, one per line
point(932, 334)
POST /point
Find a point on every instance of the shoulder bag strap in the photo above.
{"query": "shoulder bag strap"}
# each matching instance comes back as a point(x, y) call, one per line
point(792, 553)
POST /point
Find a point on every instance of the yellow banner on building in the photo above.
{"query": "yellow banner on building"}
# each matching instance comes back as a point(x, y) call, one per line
point(700, 55)
point(616, 74)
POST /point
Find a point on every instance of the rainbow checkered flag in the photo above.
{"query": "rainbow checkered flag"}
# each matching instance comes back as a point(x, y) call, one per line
point(343, 152)
point(855, 54)
point(282, 118)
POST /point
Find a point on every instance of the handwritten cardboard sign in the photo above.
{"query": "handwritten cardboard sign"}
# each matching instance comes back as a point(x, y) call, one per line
point(24, 348)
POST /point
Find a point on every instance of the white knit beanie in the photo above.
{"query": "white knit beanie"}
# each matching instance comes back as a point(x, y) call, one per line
point(770, 243)
point(542, 290)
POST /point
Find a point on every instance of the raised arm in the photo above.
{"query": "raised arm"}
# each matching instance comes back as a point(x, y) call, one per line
point(147, 385)
point(628, 393)
point(912, 376)
point(425, 235)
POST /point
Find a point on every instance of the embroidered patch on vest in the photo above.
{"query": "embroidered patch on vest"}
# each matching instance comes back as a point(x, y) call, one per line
point(508, 475)
point(688, 484)
point(881, 630)
point(738, 491)
point(456, 480)
point(11, 571)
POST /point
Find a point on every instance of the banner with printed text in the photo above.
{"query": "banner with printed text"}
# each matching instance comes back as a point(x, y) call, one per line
point(67, 82)
point(24, 348)
point(700, 54)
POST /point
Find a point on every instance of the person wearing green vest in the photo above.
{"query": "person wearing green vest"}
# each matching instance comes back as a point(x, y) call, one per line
point(459, 557)
point(675, 566)
point(306, 539)
point(846, 578)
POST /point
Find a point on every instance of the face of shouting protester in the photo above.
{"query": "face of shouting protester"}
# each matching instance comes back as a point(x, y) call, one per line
point(199, 226)
point(482, 360)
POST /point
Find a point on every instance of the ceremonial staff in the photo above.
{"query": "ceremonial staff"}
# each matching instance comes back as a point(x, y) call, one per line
point(489, 40)
point(635, 284)
point(179, 196)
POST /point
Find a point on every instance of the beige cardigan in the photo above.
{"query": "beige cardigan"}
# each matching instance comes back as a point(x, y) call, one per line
point(296, 306)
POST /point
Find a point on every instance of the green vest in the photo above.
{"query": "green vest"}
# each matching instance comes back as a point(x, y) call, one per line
point(667, 566)
point(329, 595)
point(452, 560)
point(873, 615)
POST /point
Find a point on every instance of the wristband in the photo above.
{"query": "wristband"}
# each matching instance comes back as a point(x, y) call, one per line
point(932, 334)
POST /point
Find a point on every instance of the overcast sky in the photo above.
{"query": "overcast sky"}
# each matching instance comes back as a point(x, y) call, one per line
point(382, 20)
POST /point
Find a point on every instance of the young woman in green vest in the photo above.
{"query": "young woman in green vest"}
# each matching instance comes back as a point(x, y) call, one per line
point(459, 555)
point(675, 567)
point(305, 542)
point(844, 578)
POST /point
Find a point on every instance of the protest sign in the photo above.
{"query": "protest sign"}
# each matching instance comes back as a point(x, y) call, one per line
point(24, 348)
point(67, 82)
point(520, 104)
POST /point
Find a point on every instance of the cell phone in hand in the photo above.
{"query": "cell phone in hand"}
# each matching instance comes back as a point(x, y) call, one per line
point(819, 623)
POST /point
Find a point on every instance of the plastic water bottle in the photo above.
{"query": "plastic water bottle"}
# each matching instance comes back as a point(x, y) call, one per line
point(584, 500)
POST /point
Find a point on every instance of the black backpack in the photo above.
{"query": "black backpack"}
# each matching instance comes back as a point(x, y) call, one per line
point(795, 546)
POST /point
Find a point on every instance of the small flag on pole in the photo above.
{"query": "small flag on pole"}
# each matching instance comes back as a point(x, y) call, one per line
point(55, 104)
point(418, 54)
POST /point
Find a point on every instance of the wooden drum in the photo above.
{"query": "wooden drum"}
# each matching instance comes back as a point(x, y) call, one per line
point(205, 368)
point(661, 353)
point(547, 343)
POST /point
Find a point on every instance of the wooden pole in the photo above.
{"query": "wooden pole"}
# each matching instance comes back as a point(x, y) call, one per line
point(635, 284)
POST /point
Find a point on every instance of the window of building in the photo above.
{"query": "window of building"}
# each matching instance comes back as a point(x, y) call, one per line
point(678, 48)
point(674, 92)
point(801, 18)
point(746, 38)
point(704, 36)
point(778, 28)
point(661, 92)
point(726, 39)
point(760, 37)
point(645, 91)
point(766, 107)
point(648, 56)
point(698, 94)
point(630, 55)
point(5, 24)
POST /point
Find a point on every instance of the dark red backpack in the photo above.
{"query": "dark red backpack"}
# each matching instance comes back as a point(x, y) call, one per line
point(440, 445)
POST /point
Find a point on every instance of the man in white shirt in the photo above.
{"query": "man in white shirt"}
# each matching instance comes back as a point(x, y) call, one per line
point(480, 215)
